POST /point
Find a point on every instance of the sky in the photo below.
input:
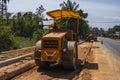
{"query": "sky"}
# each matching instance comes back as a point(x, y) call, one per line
point(101, 13)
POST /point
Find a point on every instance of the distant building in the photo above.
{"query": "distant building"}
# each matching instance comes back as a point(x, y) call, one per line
point(117, 35)
point(45, 24)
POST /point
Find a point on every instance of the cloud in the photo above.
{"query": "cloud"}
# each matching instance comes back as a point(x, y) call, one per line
point(98, 10)
point(101, 14)
point(31, 5)
point(112, 17)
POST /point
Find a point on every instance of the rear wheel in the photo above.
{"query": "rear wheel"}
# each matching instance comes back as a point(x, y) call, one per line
point(69, 60)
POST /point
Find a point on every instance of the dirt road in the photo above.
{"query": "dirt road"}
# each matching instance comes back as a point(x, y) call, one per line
point(15, 53)
point(100, 64)
point(55, 72)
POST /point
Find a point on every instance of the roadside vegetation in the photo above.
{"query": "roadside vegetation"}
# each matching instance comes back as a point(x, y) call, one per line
point(113, 32)
point(70, 23)
point(22, 29)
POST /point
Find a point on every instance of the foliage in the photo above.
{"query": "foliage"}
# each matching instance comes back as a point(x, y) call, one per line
point(111, 31)
point(68, 23)
point(24, 42)
point(97, 31)
point(69, 5)
point(6, 38)
point(40, 10)
point(5, 1)
point(83, 29)
point(19, 30)
point(25, 24)
point(102, 32)
point(40, 33)
point(82, 14)
point(116, 28)
point(3, 9)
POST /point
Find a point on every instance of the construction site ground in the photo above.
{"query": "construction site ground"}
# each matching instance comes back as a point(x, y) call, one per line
point(15, 53)
point(98, 63)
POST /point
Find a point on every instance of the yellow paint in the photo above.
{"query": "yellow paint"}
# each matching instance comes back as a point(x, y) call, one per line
point(54, 58)
point(63, 14)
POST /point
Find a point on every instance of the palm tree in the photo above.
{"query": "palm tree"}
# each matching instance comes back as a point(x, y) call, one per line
point(69, 5)
point(84, 28)
point(68, 22)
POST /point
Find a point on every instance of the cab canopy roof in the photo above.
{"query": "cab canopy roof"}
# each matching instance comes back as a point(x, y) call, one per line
point(63, 13)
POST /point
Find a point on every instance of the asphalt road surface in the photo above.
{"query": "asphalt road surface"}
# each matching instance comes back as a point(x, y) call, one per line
point(113, 45)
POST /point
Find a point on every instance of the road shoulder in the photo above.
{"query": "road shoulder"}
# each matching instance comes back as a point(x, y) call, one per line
point(108, 67)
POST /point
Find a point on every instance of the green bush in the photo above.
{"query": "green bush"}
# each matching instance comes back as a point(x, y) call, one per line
point(7, 41)
point(39, 34)
point(22, 42)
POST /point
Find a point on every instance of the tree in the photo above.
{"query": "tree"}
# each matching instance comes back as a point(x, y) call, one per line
point(40, 10)
point(68, 22)
point(102, 32)
point(82, 14)
point(4, 5)
point(24, 24)
point(3, 8)
point(83, 29)
point(8, 20)
point(83, 26)
point(112, 31)
point(96, 31)
point(69, 5)
point(116, 28)
point(6, 38)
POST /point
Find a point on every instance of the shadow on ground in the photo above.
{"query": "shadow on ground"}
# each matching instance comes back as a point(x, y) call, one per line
point(57, 71)
point(91, 66)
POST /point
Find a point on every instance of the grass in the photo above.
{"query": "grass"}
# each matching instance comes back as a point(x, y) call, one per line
point(22, 42)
